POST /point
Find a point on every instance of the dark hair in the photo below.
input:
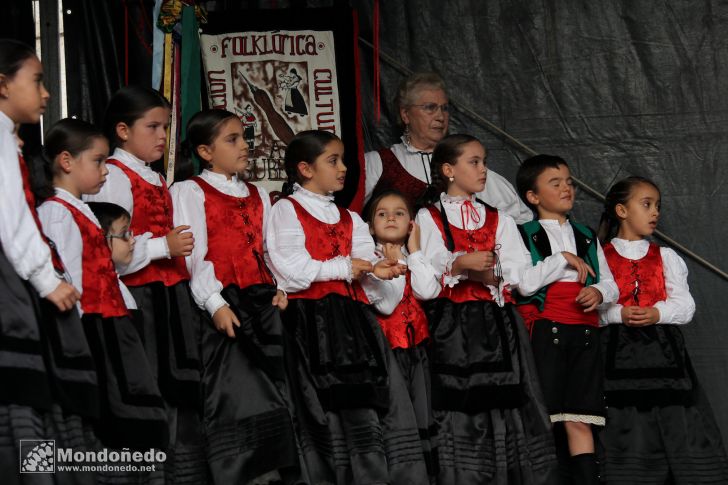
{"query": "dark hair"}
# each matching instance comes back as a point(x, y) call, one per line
point(13, 54)
point(128, 105)
point(202, 129)
point(67, 135)
point(620, 193)
point(107, 213)
point(374, 202)
point(529, 171)
point(306, 146)
point(447, 150)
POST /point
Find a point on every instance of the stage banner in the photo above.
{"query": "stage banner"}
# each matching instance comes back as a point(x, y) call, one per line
point(285, 71)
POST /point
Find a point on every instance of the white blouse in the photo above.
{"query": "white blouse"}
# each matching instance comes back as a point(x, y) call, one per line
point(291, 263)
point(60, 226)
point(117, 190)
point(555, 268)
point(498, 191)
point(189, 209)
point(386, 295)
point(509, 246)
point(21, 241)
point(679, 307)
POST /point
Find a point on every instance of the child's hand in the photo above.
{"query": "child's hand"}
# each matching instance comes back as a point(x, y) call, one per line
point(224, 319)
point(589, 298)
point(638, 316)
point(360, 267)
point(579, 265)
point(392, 251)
point(486, 277)
point(475, 261)
point(413, 241)
point(64, 296)
point(388, 269)
point(180, 243)
point(280, 300)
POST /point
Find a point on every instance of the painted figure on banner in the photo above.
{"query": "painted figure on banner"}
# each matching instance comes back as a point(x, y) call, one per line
point(294, 103)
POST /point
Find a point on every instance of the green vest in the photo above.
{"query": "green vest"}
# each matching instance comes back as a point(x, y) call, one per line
point(537, 241)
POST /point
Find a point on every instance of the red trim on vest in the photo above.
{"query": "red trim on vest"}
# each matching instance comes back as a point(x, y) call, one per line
point(100, 286)
point(324, 242)
point(152, 213)
point(481, 239)
point(407, 325)
point(560, 306)
point(235, 236)
point(395, 177)
point(30, 200)
point(645, 275)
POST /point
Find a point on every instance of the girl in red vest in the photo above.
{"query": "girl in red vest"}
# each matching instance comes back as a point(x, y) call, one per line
point(132, 412)
point(355, 419)
point(136, 120)
point(47, 375)
point(492, 422)
point(242, 353)
point(660, 427)
point(399, 312)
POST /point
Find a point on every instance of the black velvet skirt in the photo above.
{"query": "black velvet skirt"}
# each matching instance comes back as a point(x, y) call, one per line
point(659, 422)
point(493, 426)
point(356, 423)
point(169, 324)
point(246, 413)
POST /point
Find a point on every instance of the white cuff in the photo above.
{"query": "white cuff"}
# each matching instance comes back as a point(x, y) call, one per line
point(448, 279)
point(157, 248)
point(214, 303)
point(45, 281)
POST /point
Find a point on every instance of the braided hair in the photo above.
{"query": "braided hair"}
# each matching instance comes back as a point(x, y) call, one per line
point(620, 193)
point(306, 146)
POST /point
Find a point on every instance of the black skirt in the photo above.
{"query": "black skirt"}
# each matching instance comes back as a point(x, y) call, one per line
point(132, 413)
point(169, 323)
point(493, 426)
point(246, 415)
point(659, 422)
point(356, 423)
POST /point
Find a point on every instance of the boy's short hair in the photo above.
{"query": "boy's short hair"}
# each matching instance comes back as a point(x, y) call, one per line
point(107, 213)
point(529, 171)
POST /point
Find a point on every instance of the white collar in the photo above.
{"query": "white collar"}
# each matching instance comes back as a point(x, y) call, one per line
point(624, 243)
point(79, 204)
point(220, 178)
point(554, 222)
point(300, 190)
point(6, 122)
point(411, 149)
point(455, 199)
point(128, 158)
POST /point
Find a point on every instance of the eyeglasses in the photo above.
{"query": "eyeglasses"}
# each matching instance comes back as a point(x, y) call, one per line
point(431, 108)
point(124, 236)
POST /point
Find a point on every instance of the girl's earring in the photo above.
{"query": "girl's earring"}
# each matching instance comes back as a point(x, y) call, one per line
point(452, 179)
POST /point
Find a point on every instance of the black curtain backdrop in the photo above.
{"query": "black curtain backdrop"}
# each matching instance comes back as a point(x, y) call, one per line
point(615, 87)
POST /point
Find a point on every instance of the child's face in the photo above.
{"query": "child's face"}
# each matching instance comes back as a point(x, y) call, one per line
point(391, 220)
point(87, 170)
point(146, 138)
point(327, 173)
point(639, 216)
point(228, 153)
point(121, 241)
point(553, 195)
point(24, 95)
point(469, 171)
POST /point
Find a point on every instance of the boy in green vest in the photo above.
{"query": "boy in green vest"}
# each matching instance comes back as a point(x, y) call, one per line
point(558, 296)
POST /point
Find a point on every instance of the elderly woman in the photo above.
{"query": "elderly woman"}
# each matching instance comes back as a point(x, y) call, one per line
point(424, 111)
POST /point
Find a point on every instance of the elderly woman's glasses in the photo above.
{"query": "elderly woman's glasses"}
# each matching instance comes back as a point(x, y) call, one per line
point(431, 108)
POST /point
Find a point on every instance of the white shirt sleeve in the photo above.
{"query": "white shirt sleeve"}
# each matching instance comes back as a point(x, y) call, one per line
point(511, 253)
point(291, 263)
point(188, 201)
point(60, 226)
point(21, 241)
point(373, 171)
point(679, 307)
point(384, 295)
point(434, 250)
point(501, 194)
point(532, 278)
point(424, 280)
point(606, 286)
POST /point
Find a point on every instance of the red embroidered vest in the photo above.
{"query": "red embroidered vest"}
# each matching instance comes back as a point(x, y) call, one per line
point(395, 177)
point(152, 213)
point(640, 281)
point(235, 236)
point(30, 199)
point(323, 242)
point(100, 286)
point(407, 325)
point(482, 239)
